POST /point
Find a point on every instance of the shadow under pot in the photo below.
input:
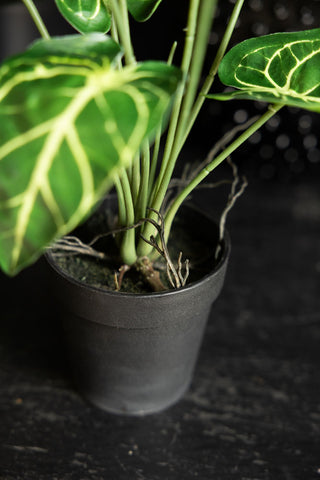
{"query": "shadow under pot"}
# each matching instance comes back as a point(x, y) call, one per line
point(135, 354)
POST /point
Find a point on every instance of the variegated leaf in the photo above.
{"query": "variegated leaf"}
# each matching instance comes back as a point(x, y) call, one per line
point(141, 10)
point(66, 125)
point(279, 68)
point(86, 16)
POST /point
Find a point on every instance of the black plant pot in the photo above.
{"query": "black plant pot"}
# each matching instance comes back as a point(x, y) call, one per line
point(135, 353)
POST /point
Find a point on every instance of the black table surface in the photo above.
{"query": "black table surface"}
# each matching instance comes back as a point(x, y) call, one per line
point(253, 411)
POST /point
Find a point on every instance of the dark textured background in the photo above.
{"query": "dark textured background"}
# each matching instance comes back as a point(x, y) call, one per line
point(253, 411)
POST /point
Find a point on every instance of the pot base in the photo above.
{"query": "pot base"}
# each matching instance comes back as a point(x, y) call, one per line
point(136, 411)
point(135, 371)
point(134, 354)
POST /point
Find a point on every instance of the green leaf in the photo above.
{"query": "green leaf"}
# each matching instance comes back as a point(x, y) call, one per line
point(279, 68)
point(95, 47)
point(86, 16)
point(141, 10)
point(67, 124)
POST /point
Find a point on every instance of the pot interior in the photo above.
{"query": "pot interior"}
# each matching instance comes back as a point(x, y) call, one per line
point(193, 233)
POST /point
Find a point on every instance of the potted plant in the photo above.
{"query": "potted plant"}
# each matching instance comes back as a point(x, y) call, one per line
point(80, 114)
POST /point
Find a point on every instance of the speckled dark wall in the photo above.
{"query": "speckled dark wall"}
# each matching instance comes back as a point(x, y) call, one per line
point(288, 146)
point(283, 151)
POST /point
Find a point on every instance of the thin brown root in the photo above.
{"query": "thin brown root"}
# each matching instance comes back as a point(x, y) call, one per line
point(183, 278)
point(116, 282)
point(190, 171)
point(176, 279)
point(233, 196)
point(118, 277)
point(71, 245)
point(115, 232)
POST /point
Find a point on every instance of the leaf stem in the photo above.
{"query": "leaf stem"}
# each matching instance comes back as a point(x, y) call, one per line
point(35, 15)
point(272, 110)
point(141, 205)
point(157, 141)
point(186, 60)
point(214, 68)
point(129, 187)
point(127, 247)
point(135, 178)
point(167, 165)
point(120, 197)
point(181, 125)
point(206, 15)
point(154, 161)
point(120, 11)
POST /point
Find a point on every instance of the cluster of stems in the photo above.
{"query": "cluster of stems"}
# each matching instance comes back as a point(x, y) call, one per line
point(142, 188)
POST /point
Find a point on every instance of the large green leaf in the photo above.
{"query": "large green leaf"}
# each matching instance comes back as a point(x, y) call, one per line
point(141, 10)
point(73, 49)
point(86, 16)
point(279, 68)
point(66, 125)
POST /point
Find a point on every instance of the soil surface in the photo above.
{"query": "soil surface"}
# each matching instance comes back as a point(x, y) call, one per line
point(192, 234)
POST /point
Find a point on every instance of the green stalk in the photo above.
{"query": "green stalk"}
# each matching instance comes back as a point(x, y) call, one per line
point(120, 11)
point(157, 141)
point(144, 183)
point(186, 62)
point(121, 205)
point(127, 247)
point(207, 84)
point(172, 52)
point(35, 15)
point(206, 15)
point(177, 146)
point(135, 178)
point(115, 37)
point(167, 164)
point(217, 161)
point(114, 30)
point(213, 70)
point(128, 191)
point(154, 161)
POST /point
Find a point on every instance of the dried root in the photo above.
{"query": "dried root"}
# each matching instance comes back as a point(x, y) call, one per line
point(175, 276)
point(118, 277)
point(190, 171)
point(233, 196)
point(71, 245)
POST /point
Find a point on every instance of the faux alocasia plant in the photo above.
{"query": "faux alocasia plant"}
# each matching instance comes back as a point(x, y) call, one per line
point(80, 113)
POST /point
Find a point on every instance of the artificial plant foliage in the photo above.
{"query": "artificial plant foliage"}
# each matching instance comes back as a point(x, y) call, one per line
point(78, 49)
point(86, 16)
point(280, 68)
point(66, 127)
point(141, 10)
